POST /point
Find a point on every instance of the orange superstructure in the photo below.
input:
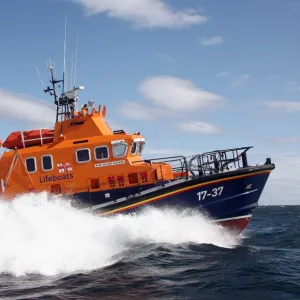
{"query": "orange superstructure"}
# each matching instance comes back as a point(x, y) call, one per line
point(80, 155)
point(84, 155)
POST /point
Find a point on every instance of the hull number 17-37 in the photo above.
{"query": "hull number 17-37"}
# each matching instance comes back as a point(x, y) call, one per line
point(214, 193)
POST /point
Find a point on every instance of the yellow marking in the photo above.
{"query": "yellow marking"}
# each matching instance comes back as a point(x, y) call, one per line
point(181, 190)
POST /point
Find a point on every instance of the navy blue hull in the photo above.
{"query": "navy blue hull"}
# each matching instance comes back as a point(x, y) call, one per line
point(220, 200)
point(222, 196)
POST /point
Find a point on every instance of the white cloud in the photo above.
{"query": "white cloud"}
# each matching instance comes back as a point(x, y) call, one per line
point(212, 41)
point(18, 107)
point(178, 94)
point(200, 127)
point(144, 13)
point(288, 106)
point(139, 112)
point(222, 74)
point(242, 79)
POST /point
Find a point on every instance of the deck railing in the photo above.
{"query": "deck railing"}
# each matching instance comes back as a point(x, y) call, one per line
point(206, 163)
point(218, 161)
point(40, 138)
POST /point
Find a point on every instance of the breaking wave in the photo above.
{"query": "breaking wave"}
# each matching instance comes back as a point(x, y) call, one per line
point(46, 236)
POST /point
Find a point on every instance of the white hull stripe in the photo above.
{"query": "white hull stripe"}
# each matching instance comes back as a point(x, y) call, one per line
point(234, 218)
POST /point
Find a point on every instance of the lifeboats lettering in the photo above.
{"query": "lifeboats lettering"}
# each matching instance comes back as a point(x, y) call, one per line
point(213, 193)
point(53, 178)
point(111, 163)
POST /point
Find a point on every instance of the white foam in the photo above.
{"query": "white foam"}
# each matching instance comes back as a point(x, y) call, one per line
point(46, 236)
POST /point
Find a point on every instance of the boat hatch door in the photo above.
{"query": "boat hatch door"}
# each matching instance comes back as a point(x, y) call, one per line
point(55, 188)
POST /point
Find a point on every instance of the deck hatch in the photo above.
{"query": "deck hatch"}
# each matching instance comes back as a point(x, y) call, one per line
point(95, 184)
point(133, 178)
point(55, 188)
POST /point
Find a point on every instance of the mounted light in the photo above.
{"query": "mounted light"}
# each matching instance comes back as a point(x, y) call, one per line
point(91, 103)
point(79, 88)
point(72, 93)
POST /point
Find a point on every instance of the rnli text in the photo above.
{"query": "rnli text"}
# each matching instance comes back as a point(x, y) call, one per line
point(51, 178)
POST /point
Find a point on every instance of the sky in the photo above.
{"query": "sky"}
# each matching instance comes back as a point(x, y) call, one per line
point(190, 75)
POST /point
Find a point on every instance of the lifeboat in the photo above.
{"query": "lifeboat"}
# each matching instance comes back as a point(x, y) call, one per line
point(29, 138)
point(102, 171)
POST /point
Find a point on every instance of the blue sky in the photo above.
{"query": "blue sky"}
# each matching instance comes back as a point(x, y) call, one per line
point(191, 75)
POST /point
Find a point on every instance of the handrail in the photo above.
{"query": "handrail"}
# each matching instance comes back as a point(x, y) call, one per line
point(209, 161)
point(16, 156)
point(10, 170)
point(41, 137)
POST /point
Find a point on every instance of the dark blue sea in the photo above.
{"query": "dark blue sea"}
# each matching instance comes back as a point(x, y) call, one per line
point(49, 250)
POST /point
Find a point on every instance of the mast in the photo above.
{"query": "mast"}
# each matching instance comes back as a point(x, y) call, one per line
point(66, 103)
point(52, 91)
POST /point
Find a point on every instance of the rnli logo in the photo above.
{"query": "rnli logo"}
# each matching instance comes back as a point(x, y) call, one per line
point(64, 167)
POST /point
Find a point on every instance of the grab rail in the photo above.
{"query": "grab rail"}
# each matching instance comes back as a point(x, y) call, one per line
point(41, 137)
point(207, 162)
point(219, 161)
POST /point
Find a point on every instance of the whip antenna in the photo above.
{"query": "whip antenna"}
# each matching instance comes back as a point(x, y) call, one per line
point(76, 60)
point(54, 67)
point(71, 76)
point(37, 70)
point(65, 46)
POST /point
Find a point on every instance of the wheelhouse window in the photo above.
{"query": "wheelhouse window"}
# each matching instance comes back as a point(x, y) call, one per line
point(133, 148)
point(47, 163)
point(30, 164)
point(101, 152)
point(83, 155)
point(140, 147)
point(119, 149)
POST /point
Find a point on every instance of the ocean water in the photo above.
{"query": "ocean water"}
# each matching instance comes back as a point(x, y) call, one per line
point(49, 250)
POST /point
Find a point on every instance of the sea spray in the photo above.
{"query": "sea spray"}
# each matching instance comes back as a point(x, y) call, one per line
point(41, 235)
